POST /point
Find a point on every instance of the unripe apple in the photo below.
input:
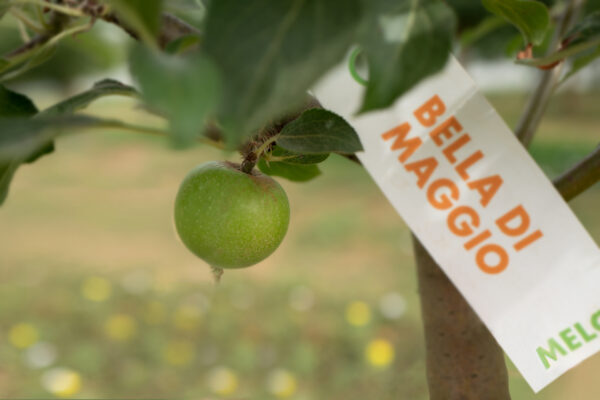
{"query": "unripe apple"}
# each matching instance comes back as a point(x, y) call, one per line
point(229, 218)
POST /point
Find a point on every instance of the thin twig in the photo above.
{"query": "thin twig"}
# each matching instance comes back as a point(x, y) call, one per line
point(171, 28)
point(114, 19)
point(47, 43)
point(536, 106)
point(539, 100)
point(30, 45)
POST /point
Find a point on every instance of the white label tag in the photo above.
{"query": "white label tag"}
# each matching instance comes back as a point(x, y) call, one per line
point(486, 212)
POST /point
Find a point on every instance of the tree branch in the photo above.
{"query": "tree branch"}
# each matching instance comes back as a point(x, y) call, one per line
point(536, 106)
point(580, 177)
point(171, 28)
point(464, 362)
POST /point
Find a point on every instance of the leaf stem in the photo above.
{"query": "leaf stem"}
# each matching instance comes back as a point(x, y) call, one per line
point(560, 55)
point(278, 158)
point(265, 145)
point(134, 128)
point(153, 131)
point(26, 20)
point(73, 12)
point(41, 18)
point(37, 45)
point(23, 31)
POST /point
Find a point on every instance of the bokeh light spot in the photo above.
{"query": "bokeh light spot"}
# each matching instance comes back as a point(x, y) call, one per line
point(61, 382)
point(358, 313)
point(282, 383)
point(96, 289)
point(179, 353)
point(222, 381)
point(392, 305)
point(40, 355)
point(155, 313)
point(302, 298)
point(120, 327)
point(187, 318)
point(380, 353)
point(23, 335)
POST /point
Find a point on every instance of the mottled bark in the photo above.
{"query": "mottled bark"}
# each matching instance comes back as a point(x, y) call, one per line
point(463, 360)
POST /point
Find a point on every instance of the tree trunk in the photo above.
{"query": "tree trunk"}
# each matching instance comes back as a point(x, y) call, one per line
point(463, 359)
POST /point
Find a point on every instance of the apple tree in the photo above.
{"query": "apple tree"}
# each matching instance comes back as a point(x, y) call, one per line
point(237, 74)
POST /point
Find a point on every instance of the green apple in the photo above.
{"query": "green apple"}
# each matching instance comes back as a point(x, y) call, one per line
point(229, 218)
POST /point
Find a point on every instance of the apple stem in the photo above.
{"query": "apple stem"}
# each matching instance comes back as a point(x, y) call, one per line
point(248, 163)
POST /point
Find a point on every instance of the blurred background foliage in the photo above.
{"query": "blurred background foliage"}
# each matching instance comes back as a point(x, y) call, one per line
point(61, 70)
point(98, 299)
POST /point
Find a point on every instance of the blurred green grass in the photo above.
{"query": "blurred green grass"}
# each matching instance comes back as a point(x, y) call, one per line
point(108, 303)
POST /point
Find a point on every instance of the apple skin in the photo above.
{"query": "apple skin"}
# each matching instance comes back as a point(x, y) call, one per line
point(228, 218)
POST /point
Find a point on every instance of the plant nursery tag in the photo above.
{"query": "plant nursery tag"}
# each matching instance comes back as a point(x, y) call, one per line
point(486, 212)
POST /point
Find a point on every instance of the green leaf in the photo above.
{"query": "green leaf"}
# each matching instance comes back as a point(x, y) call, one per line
point(319, 131)
point(17, 146)
point(272, 52)
point(584, 33)
point(292, 172)
point(283, 155)
point(38, 56)
point(581, 61)
point(4, 6)
point(7, 171)
point(186, 89)
point(530, 17)
point(24, 140)
point(486, 26)
point(143, 16)
point(404, 45)
point(183, 44)
point(22, 137)
point(586, 29)
point(100, 89)
point(580, 44)
point(14, 104)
